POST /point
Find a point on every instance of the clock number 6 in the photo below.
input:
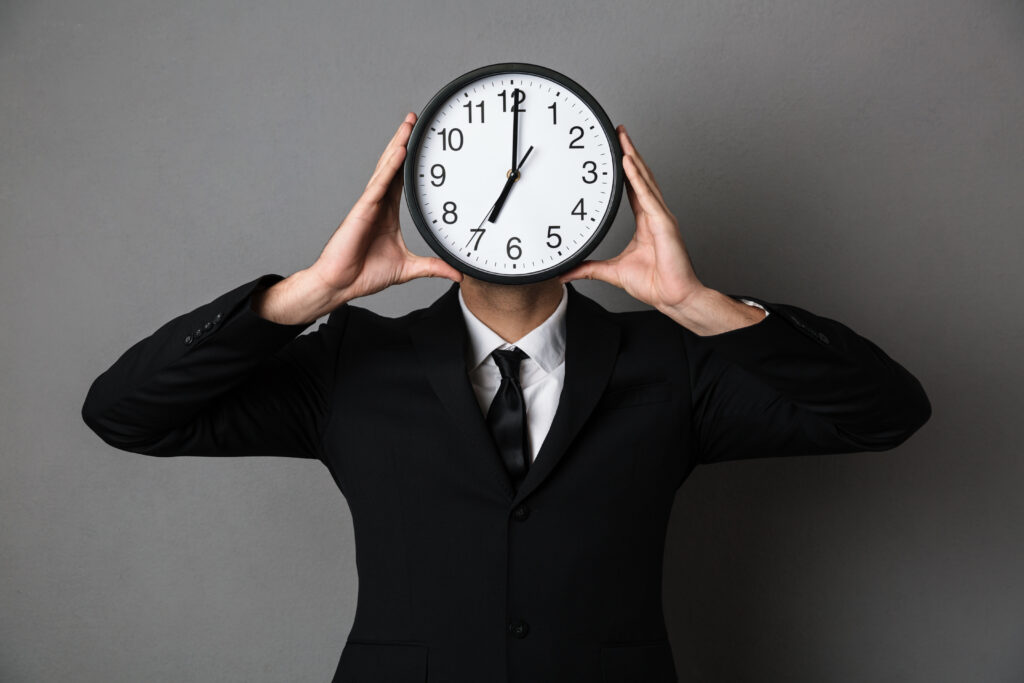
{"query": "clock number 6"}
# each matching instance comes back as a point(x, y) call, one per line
point(510, 246)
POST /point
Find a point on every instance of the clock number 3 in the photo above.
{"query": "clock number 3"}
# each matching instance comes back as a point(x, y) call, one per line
point(592, 171)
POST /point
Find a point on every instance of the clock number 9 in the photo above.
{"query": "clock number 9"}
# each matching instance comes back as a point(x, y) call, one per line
point(450, 212)
point(592, 171)
point(434, 174)
point(448, 139)
point(510, 246)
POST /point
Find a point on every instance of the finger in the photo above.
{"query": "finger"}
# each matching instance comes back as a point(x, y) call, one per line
point(399, 138)
point(629, 148)
point(430, 266)
point(649, 203)
point(377, 188)
point(592, 270)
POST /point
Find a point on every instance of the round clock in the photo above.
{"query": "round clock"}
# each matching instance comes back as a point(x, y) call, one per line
point(513, 173)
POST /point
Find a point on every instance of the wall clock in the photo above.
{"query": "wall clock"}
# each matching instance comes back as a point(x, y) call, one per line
point(513, 173)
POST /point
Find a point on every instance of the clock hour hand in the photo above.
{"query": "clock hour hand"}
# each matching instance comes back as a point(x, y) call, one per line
point(513, 176)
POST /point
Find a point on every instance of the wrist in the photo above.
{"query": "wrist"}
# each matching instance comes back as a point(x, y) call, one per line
point(708, 312)
point(302, 297)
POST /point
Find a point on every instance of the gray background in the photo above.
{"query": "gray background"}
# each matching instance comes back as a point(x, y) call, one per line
point(861, 159)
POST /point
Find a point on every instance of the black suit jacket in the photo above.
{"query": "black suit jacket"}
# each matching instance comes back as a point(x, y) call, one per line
point(461, 578)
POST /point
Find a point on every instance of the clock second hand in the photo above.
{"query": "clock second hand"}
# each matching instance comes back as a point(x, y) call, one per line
point(513, 176)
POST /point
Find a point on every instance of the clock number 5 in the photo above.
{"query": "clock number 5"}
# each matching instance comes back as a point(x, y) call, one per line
point(555, 236)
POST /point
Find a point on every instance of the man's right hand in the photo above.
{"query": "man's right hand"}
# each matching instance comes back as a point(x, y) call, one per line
point(364, 255)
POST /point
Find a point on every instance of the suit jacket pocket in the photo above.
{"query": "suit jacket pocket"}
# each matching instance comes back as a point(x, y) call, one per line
point(636, 394)
point(646, 662)
point(375, 662)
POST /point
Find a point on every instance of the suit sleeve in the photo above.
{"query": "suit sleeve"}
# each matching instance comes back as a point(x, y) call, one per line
point(220, 381)
point(797, 383)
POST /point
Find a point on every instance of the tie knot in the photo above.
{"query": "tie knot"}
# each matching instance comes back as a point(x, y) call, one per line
point(508, 361)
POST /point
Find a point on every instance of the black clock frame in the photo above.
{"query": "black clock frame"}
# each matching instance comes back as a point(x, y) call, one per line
point(422, 125)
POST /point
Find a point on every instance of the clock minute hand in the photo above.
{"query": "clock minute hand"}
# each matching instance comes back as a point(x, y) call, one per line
point(515, 128)
point(513, 176)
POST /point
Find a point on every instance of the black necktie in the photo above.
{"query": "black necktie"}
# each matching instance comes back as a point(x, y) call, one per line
point(507, 415)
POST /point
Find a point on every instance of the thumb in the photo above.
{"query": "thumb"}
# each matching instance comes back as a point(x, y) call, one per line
point(430, 266)
point(592, 270)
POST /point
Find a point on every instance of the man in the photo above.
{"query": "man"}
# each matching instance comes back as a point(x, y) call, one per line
point(510, 454)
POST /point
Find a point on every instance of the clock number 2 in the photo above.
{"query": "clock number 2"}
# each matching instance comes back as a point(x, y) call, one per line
point(572, 143)
point(448, 139)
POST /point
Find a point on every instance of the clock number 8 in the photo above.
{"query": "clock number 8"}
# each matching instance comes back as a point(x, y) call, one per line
point(450, 212)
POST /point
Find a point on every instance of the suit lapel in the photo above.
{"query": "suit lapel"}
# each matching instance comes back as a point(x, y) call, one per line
point(591, 346)
point(440, 338)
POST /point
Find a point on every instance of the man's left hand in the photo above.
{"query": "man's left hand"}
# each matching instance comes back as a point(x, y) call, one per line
point(654, 267)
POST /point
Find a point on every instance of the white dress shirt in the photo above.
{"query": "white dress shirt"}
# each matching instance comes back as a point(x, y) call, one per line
point(541, 374)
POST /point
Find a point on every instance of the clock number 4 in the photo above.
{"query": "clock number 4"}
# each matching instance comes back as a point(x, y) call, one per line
point(578, 209)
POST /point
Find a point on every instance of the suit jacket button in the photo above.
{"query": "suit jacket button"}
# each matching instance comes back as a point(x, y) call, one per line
point(521, 513)
point(207, 325)
point(518, 628)
point(217, 318)
point(188, 339)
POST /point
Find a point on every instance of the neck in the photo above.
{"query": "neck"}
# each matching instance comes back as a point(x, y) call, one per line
point(512, 311)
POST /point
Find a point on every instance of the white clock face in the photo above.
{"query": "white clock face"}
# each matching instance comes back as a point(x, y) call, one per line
point(462, 164)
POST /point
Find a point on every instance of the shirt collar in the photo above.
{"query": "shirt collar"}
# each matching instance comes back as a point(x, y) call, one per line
point(545, 343)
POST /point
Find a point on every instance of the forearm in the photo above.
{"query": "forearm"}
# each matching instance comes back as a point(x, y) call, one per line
point(299, 298)
point(709, 312)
